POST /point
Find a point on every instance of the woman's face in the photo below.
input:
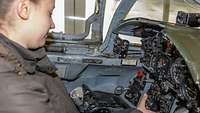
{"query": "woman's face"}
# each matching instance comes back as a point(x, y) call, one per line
point(40, 23)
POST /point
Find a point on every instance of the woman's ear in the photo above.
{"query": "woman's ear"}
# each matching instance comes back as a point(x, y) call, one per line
point(23, 9)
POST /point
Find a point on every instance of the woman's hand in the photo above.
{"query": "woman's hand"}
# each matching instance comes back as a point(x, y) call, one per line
point(141, 105)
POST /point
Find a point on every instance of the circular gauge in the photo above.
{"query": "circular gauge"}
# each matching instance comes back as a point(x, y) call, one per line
point(160, 65)
point(177, 77)
point(177, 71)
point(163, 65)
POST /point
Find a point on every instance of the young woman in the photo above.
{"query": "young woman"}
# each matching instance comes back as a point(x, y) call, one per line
point(28, 83)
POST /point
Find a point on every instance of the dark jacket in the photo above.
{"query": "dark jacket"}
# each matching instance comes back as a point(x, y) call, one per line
point(28, 83)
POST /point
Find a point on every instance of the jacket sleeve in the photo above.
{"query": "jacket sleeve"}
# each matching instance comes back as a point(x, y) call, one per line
point(22, 95)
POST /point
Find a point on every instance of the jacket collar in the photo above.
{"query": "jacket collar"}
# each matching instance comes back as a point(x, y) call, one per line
point(31, 59)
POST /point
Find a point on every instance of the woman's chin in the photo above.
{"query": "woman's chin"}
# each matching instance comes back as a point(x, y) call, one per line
point(42, 44)
point(38, 45)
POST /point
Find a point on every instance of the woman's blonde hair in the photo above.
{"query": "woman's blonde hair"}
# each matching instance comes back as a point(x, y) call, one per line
point(5, 7)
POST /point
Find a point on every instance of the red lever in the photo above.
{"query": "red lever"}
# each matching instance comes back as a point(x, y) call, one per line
point(139, 74)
